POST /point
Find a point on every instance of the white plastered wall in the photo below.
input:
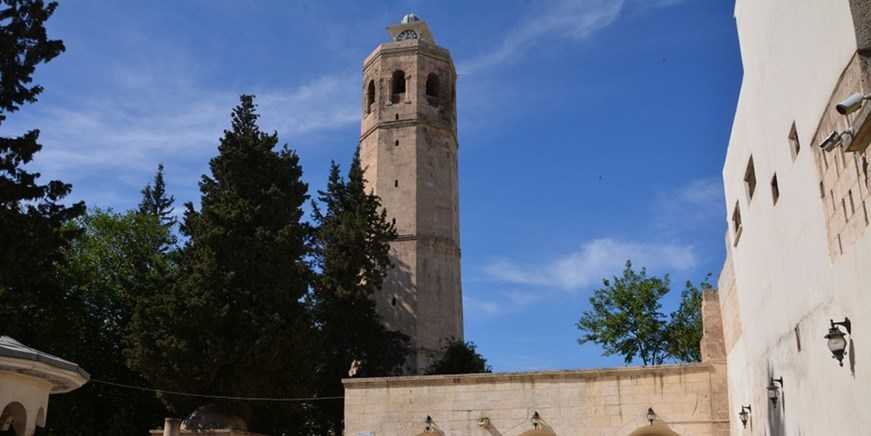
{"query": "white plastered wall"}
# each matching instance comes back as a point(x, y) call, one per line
point(793, 52)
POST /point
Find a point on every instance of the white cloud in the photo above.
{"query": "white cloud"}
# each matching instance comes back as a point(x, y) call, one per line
point(698, 204)
point(594, 260)
point(135, 129)
point(567, 19)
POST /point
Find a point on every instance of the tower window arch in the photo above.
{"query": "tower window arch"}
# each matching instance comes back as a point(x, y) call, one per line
point(432, 85)
point(397, 86)
point(370, 96)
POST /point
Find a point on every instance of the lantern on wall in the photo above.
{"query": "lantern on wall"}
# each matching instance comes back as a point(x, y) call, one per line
point(774, 388)
point(836, 339)
point(744, 415)
point(536, 421)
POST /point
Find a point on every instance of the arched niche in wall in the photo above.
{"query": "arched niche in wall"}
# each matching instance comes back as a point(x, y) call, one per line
point(658, 428)
point(14, 417)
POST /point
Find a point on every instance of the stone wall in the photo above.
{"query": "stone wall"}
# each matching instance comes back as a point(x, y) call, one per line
point(687, 400)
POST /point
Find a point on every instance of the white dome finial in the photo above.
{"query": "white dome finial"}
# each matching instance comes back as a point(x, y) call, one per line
point(410, 18)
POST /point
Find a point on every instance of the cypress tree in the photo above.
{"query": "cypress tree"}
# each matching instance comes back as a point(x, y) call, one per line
point(156, 201)
point(234, 323)
point(32, 232)
point(352, 257)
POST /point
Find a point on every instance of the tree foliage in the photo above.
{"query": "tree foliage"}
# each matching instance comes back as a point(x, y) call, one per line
point(459, 357)
point(32, 217)
point(116, 257)
point(234, 322)
point(684, 330)
point(156, 201)
point(625, 318)
point(352, 259)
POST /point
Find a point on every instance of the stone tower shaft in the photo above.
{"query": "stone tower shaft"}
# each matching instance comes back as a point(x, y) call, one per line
point(408, 148)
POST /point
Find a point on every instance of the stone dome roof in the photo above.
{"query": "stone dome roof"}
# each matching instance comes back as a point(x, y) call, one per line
point(410, 18)
point(212, 417)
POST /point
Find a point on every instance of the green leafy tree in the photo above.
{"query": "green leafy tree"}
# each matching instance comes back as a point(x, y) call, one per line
point(234, 323)
point(156, 201)
point(33, 304)
point(459, 357)
point(625, 317)
point(352, 257)
point(117, 257)
point(684, 331)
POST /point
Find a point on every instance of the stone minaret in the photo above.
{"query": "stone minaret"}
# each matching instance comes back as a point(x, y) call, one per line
point(408, 148)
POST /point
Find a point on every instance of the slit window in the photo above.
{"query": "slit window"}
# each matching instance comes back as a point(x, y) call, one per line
point(865, 210)
point(396, 183)
point(775, 190)
point(396, 143)
point(852, 203)
point(844, 208)
point(865, 168)
point(822, 190)
point(794, 145)
point(797, 338)
point(750, 179)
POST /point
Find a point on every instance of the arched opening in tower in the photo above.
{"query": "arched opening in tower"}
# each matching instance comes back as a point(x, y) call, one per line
point(432, 89)
point(397, 86)
point(370, 96)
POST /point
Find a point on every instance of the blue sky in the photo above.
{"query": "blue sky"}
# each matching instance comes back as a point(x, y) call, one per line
point(591, 131)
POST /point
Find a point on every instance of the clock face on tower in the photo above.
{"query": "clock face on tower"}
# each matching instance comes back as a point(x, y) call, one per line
point(406, 34)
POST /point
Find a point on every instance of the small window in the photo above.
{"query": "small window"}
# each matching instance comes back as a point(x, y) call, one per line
point(750, 179)
point(794, 145)
point(370, 96)
point(396, 143)
point(822, 190)
point(396, 117)
point(393, 301)
point(397, 86)
point(736, 223)
point(775, 189)
point(396, 183)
